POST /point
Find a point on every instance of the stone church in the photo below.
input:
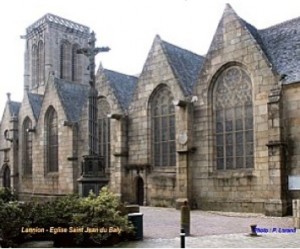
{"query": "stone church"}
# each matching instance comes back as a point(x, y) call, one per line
point(221, 130)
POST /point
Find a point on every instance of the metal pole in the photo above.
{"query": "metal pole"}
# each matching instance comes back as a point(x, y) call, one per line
point(182, 238)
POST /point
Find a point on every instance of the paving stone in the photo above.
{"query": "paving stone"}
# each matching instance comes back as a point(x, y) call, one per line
point(213, 229)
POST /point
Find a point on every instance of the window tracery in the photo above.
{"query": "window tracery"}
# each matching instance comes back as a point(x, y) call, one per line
point(233, 113)
point(163, 128)
point(51, 129)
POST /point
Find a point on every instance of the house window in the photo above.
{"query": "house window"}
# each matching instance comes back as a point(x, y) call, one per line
point(104, 131)
point(51, 129)
point(233, 113)
point(27, 146)
point(163, 128)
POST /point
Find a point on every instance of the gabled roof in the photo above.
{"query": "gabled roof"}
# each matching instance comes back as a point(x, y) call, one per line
point(14, 108)
point(73, 96)
point(185, 65)
point(123, 86)
point(35, 101)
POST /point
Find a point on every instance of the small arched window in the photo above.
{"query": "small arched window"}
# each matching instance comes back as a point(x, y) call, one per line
point(163, 128)
point(233, 114)
point(51, 128)
point(27, 146)
point(104, 130)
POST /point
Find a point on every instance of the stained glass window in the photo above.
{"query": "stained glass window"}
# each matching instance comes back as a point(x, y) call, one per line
point(51, 140)
point(27, 147)
point(233, 114)
point(163, 128)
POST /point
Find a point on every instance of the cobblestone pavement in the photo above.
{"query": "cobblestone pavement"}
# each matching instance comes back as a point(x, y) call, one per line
point(214, 229)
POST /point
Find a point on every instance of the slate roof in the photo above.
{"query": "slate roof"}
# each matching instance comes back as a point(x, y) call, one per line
point(123, 86)
point(73, 97)
point(35, 101)
point(185, 65)
point(282, 45)
point(14, 108)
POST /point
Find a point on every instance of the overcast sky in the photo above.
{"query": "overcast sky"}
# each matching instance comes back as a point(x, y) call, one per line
point(128, 27)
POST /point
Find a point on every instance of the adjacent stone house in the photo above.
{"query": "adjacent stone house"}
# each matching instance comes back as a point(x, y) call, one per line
point(220, 130)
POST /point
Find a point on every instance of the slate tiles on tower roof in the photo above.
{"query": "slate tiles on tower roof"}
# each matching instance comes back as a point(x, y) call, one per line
point(73, 97)
point(122, 85)
point(186, 65)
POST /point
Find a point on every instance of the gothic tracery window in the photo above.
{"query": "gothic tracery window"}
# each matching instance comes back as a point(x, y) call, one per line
point(233, 113)
point(163, 128)
point(27, 147)
point(51, 128)
point(104, 131)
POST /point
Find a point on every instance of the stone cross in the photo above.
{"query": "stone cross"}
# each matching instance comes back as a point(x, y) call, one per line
point(91, 51)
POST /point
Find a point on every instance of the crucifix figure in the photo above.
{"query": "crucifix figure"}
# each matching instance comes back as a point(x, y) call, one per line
point(91, 51)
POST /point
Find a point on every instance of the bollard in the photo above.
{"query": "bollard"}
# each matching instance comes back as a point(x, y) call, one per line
point(182, 238)
point(253, 230)
point(185, 218)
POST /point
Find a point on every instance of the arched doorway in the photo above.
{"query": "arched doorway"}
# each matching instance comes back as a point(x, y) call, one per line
point(6, 177)
point(139, 191)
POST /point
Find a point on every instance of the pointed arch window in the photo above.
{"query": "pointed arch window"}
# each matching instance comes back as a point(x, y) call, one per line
point(41, 63)
point(104, 130)
point(233, 113)
point(27, 146)
point(163, 128)
point(34, 66)
point(65, 61)
point(75, 64)
point(6, 177)
point(51, 128)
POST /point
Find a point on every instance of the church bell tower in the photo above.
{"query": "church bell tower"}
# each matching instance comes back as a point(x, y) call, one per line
point(52, 43)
